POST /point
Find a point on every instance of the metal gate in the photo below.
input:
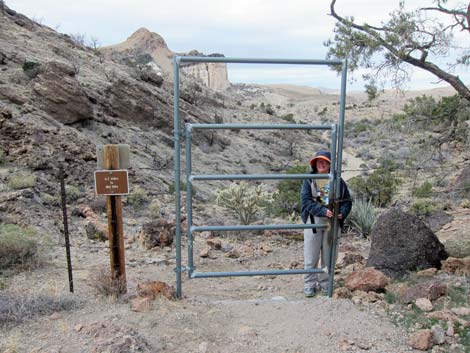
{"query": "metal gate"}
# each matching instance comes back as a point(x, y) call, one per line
point(334, 176)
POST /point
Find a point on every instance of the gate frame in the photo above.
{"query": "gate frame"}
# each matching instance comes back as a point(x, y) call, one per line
point(337, 132)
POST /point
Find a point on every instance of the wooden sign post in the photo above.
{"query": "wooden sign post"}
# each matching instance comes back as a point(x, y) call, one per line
point(113, 183)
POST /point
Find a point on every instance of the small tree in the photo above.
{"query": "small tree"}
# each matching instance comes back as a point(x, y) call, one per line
point(408, 39)
point(243, 201)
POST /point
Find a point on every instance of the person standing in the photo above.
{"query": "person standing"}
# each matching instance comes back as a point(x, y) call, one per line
point(316, 209)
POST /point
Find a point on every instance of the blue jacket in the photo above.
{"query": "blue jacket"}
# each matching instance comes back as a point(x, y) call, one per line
point(310, 206)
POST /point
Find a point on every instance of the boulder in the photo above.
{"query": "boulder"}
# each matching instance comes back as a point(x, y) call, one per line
point(401, 243)
point(422, 340)
point(152, 289)
point(431, 290)
point(460, 186)
point(367, 279)
point(457, 266)
point(59, 93)
point(157, 233)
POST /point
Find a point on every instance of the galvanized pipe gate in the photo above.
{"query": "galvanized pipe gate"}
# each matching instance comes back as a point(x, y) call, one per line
point(334, 176)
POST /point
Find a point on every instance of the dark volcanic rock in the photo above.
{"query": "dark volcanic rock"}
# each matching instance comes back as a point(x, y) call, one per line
point(59, 93)
point(401, 243)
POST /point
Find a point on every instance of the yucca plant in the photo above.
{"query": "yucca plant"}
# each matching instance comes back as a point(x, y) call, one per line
point(363, 217)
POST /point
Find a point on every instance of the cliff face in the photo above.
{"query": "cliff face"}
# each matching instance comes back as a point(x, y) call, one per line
point(212, 75)
point(143, 45)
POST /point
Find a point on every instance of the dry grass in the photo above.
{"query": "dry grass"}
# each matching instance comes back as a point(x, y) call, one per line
point(107, 284)
point(16, 308)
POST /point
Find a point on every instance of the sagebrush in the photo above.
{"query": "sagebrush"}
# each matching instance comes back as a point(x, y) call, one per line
point(18, 246)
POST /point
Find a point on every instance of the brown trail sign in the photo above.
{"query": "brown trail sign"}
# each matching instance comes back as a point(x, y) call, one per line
point(113, 182)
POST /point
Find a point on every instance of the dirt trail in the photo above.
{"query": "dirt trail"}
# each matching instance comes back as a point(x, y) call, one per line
point(239, 314)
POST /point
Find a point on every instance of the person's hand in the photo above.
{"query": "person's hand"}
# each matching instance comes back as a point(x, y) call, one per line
point(329, 213)
point(340, 216)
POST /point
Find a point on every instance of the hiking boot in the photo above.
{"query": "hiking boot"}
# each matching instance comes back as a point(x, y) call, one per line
point(309, 292)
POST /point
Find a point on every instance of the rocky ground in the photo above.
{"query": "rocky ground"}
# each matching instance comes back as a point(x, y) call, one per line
point(59, 99)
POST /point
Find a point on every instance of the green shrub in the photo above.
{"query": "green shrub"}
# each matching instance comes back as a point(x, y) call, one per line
point(2, 156)
point(287, 198)
point(424, 190)
point(363, 217)
point(458, 247)
point(138, 197)
point(378, 188)
point(18, 246)
point(243, 201)
point(21, 181)
point(155, 208)
point(72, 192)
point(422, 208)
point(31, 68)
point(182, 188)
point(289, 118)
point(269, 110)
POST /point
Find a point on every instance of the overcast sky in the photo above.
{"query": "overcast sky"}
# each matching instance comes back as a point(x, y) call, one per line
point(294, 29)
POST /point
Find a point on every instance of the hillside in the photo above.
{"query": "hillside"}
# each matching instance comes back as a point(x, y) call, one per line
point(59, 99)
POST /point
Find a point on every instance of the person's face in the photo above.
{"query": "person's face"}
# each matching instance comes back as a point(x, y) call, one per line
point(323, 167)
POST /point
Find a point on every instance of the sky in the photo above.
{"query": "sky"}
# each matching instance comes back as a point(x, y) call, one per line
point(293, 29)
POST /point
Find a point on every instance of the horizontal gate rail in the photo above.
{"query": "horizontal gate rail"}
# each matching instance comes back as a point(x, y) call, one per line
point(221, 59)
point(257, 227)
point(257, 176)
point(256, 273)
point(260, 126)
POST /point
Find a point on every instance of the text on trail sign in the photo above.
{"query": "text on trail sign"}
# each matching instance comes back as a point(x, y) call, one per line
point(111, 182)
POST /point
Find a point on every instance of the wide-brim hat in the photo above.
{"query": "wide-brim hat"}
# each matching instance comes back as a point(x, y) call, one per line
point(325, 155)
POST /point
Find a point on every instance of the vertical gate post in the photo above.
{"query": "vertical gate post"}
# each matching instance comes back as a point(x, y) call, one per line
point(115, 224)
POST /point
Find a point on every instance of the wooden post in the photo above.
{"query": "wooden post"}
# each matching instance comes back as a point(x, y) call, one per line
point(115, 224)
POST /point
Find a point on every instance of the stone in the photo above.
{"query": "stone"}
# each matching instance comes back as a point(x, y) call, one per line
point(442, 315)
point(368, 279)
point(157, 233)
point(153, 289)
point(422, 340)
point(233, 254)
point(462, 311)
point(429, 272)
point(352, 258)
point(152, 74)
point(215, 244)
point(438, 334)
point(342, 293)
point(142, 304)
point(206, 235)
point(95, 231)
point(205, 252)
point(424, 304)
point(450, 329)
point(402, 243)
point(431, 290)
point(457, 266)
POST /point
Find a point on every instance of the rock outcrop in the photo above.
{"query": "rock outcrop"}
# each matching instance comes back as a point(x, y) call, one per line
point(143, 46)
point(59, 93)
point(212, 75)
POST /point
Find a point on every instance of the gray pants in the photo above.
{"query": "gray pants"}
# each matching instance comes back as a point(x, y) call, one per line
point(316, 244)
